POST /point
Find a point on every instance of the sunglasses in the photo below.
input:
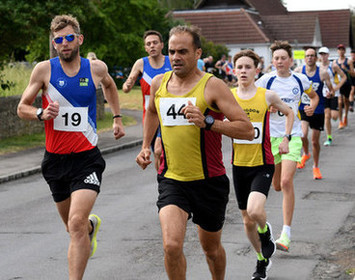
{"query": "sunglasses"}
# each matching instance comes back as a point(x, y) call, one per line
point(69, 38)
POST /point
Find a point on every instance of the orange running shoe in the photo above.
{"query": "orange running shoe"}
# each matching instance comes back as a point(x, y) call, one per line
point(316, 173)
point(302, 163)
point(341, 125)
point(345, 121)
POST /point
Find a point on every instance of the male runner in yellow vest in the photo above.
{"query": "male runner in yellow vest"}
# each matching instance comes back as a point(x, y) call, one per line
point(190, 106)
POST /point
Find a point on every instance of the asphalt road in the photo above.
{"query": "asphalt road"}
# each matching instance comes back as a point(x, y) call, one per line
point(33, 241)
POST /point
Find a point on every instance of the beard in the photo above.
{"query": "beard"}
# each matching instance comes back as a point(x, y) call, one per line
point(71, 56)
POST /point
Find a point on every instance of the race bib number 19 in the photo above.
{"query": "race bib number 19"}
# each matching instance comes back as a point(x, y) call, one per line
point(171, 110)
point(71, 119)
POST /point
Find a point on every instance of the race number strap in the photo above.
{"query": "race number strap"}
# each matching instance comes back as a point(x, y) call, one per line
point(305, 99)
point(171, 110)
point(71, 119)
point(258, 128)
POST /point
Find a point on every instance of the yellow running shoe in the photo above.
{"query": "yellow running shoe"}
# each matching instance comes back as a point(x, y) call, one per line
point(283, 243)
point(95, 222)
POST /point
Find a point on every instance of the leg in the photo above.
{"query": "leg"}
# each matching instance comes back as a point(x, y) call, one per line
point(63, 209)
point(341, 101)
point(288, 171)
point(214, 252)
point(346, 110)
point(276, 179)
point(253, 216)
point(79, 227)
point(173, 225)
point(327, 121)
point(315, 146)
point(304, 125)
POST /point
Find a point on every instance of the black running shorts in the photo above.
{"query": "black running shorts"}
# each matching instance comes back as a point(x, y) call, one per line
point(331, 103)
point(204, 200)
point(251, 179)
point(70, 172)
point(316, 121)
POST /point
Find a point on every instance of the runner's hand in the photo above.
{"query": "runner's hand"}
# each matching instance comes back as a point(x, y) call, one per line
point(143, 158)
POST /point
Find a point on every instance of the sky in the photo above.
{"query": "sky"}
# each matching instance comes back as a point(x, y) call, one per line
point(306, 5)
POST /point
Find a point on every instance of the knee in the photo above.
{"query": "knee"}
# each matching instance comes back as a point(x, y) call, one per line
point(212, 252)
point(254, 215)
point(173, 249)
point(78, 225)
point(249, 222)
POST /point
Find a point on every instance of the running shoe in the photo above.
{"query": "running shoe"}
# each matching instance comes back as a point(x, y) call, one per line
point(283, 243)
point(95, 222)
point(351, 108)
point(328, 142)
point(341, 125)
point(345, 121)
point(268, 246)
point(262, 267)
point(316, 173)
point(302, 163)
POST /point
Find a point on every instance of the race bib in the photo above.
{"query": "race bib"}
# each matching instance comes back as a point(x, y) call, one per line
point(280, 116)
point(171, 110)
point(258, 129)
point(71, 119)
point(305, 99)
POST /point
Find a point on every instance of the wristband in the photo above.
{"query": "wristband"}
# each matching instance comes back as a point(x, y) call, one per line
point(117, 116)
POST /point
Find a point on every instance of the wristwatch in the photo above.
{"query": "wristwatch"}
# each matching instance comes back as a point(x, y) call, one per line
point(39, 113)
point(288, 136)
point(209, 121)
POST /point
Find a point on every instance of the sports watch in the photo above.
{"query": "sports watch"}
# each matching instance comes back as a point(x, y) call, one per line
point(209, 121)
point(39, 113)
point(288, 136)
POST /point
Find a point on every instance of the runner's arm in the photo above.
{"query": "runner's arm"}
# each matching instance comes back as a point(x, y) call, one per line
point(218, 94)
point(39, 76)
point(343, 78)
point(150, 126)
point(137, 70)
point(111, 95)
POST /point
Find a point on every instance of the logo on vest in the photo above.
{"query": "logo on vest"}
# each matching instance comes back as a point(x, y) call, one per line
point(295, 90)
point(61, 82)
point(84, 82)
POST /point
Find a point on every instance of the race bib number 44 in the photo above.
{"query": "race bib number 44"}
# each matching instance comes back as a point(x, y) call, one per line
point(171, 111)
point(71, 119)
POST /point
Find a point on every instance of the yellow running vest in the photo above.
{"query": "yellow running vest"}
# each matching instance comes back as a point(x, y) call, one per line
point(190, 153)
point(258, 151)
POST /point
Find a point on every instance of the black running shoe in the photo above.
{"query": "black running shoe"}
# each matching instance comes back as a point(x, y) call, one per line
point(262, 267)
point(268, 246)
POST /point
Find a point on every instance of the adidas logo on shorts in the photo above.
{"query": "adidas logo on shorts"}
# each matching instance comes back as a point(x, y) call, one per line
point(92, 179)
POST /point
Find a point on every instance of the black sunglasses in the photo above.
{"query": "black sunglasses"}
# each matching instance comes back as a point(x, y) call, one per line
point(69, 38)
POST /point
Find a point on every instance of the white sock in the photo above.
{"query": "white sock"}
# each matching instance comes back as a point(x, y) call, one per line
point(287, 230)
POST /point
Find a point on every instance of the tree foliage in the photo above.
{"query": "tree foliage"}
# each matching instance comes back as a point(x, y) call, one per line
point(112, 29)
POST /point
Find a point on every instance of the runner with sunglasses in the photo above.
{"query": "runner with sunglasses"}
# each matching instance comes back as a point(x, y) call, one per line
point(72, 164)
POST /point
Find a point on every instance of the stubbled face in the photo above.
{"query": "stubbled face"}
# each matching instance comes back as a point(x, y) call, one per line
point(182, 54)
point(310, 57)
point(152, 45)
point(282, 61)
point(245, 70)
point(67, 51)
